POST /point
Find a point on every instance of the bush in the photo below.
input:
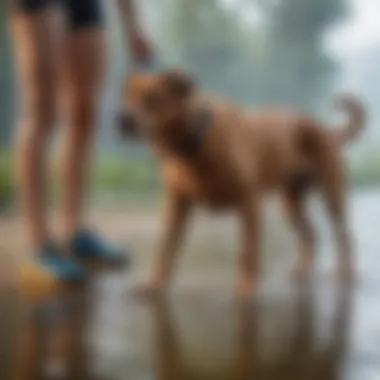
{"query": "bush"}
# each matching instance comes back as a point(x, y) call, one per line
point(116, 177)
point(125, 177)
point(366, 171)
point(7, 192)
point(119, 177)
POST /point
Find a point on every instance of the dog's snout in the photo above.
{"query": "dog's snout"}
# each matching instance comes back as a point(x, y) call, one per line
point(128, 119)
point(127, 124)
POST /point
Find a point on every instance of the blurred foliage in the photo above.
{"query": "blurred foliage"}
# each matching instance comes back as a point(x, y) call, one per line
point(366, 168)
point(6, 182)
point(125, 176)
point(254, 51)
point(119, 177)
point(134, 177)
point(301, 71)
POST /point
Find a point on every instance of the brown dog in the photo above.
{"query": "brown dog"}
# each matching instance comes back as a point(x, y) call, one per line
point(217, 154)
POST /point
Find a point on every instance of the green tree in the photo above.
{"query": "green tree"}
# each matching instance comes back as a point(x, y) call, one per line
point(212, 42)
point(280, 60)
point(299, 69)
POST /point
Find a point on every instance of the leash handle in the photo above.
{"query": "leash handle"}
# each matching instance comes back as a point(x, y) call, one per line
point(148, 64)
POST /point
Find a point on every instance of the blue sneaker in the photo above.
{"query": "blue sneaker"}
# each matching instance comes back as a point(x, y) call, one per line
point(53, 260)
point(88, 246)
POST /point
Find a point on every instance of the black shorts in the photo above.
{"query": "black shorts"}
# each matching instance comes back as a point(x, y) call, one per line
point(79, 13)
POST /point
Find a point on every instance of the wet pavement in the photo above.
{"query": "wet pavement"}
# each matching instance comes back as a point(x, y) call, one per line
point(322, 331)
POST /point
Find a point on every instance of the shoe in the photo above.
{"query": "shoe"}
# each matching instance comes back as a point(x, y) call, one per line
point(87, 245)
point(51, 259)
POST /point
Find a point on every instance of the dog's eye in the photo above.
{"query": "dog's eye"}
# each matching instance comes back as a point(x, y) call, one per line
point(152, 101)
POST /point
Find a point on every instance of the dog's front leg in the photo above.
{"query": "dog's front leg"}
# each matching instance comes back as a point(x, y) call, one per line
point(249, 258)
point(176, 212)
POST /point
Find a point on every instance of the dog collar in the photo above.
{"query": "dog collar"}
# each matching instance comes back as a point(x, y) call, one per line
point(191, 143)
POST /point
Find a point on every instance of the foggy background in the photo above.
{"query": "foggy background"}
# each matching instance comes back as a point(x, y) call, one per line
point(293, 52)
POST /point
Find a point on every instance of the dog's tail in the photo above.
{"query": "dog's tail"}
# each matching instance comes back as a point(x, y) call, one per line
point(356, 118)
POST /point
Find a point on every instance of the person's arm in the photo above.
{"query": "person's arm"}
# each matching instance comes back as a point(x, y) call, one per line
point(134, 34)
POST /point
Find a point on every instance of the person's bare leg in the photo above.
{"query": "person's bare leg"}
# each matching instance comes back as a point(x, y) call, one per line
point(85, 63)
point(37, 38)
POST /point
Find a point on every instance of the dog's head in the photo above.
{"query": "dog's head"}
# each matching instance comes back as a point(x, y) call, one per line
point(154, 103)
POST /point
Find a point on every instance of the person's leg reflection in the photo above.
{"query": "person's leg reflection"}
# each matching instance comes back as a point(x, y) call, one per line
point(169, 365)
point(49, 343)
point(30, 351)
point(67, 350)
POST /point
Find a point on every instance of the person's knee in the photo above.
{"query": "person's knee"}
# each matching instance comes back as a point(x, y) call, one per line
point(83, 113)
point(39, 109)
point(45, 115)
point(35, 130)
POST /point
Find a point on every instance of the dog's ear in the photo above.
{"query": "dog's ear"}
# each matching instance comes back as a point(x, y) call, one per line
point(179, 84)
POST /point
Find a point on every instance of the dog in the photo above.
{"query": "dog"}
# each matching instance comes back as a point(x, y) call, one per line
point(214, 153)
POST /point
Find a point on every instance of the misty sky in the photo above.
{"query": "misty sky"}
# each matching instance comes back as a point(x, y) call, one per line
point(360, 31)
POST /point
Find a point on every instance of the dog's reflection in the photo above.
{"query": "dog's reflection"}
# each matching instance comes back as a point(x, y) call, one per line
point(55, 347)
point(51, 342)
point(303, 358)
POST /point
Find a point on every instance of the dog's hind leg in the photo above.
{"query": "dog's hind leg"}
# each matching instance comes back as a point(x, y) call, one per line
point(249, 257)
point(294, 200)
point(330, 174)
point(333, 186)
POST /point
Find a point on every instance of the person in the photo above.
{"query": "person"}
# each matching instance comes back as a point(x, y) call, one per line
point(60, 54)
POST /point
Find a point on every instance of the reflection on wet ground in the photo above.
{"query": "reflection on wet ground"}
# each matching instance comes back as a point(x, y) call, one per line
point(189, 338)
point(324, 331)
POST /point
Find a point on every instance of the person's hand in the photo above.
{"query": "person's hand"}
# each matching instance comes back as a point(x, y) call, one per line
point(140, 47)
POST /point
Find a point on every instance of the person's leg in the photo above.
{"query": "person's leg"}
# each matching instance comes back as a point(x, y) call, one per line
point(84, 74)
point(37, 35)
point(37, 31)
point(84, 70)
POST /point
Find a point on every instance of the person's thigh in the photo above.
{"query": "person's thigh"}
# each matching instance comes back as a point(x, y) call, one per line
point(85, 59)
